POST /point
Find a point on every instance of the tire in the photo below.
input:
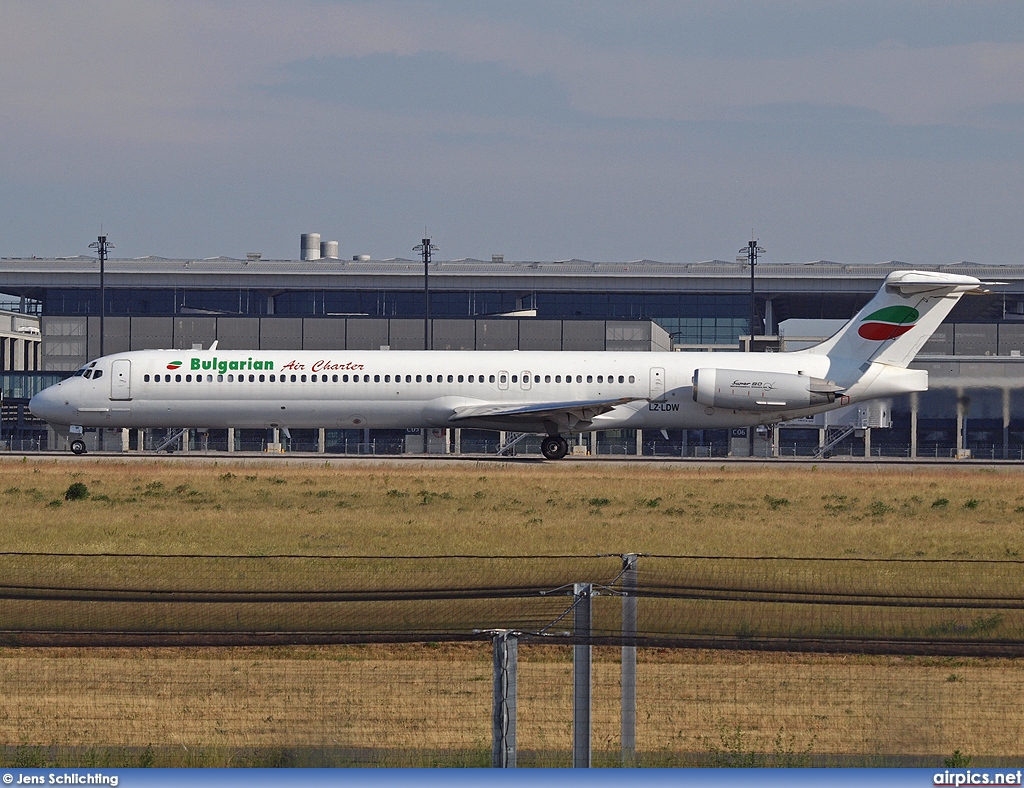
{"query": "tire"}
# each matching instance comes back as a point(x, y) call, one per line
point(77, 446)
point(554, 447)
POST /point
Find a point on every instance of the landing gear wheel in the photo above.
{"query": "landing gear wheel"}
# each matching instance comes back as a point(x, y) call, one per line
point(554, 447)
point(77, 446)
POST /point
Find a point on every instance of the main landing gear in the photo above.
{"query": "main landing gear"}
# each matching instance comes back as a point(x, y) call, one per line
point(77, 446)
point(554, 447)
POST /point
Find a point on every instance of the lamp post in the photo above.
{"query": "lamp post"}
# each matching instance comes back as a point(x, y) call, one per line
point(101, 245)
point(752, 250)
point(425, 248)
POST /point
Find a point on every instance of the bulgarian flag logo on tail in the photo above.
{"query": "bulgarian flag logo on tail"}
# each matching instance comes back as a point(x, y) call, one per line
point(888, 323)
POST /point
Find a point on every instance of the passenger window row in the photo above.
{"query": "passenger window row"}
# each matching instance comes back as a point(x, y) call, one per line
point(272, 378)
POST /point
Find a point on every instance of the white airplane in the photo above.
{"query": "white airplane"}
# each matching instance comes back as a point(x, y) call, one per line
point(551, 393)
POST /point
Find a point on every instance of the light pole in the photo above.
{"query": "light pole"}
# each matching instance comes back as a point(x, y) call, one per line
point(752, 250)
point(425, 248)
point(101, 246)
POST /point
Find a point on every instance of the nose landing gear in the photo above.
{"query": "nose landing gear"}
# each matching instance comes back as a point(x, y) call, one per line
point(554, 447)
point(77, 446)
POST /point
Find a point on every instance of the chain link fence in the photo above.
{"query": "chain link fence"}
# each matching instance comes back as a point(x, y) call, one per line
point(297, 660)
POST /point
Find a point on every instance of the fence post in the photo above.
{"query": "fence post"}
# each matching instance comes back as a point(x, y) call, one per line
point(629, 613)
point(503, 715)
point(581, 669)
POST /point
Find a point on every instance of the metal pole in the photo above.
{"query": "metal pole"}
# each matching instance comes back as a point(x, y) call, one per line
point(425, 248)
point(581, 676)
point(101, 246)
point(103, 289)
point(629, 623)
point(426, 294)
point(752, 252)
point(503, 716)
point(752, 258)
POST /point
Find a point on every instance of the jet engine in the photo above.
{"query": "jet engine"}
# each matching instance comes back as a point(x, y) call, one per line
point(740, 389)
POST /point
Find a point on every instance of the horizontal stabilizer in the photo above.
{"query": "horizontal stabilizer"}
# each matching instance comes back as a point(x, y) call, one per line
point(913, 282)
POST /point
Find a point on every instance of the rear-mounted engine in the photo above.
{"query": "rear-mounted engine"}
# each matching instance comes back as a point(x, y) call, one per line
point(748, 390)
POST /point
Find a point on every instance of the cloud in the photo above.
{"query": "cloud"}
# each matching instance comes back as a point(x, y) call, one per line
point(553, 128)
point(429, 82)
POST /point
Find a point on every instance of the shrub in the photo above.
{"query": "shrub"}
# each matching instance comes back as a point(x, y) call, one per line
point(958, 760)
point(76, 492)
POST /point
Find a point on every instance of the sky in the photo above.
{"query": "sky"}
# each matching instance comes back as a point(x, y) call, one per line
point(672, 130)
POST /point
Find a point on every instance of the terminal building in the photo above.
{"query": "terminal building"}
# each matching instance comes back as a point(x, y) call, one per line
point(976, 370)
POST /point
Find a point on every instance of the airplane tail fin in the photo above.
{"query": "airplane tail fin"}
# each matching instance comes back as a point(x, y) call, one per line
point(901, 317)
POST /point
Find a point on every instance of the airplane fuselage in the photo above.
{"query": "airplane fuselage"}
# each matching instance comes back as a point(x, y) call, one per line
point(402, 389)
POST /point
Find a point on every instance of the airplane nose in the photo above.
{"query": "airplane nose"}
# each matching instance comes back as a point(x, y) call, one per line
point(49, 406)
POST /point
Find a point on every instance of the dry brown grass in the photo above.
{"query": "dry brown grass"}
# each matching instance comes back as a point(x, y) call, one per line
point(394, 698)
point(437, 699)
point(831, 511)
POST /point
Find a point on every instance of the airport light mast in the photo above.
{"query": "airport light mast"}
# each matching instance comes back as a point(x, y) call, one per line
point(752, 250)
point(425, 248)
point(101, 245)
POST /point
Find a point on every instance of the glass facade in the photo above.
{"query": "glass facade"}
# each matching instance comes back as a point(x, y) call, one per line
point(689, 318)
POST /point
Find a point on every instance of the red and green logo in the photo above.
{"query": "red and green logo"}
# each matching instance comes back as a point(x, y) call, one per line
point(888, 323)
point(174, 365)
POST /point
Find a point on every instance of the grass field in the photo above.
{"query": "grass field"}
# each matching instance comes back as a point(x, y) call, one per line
point(430, 704)
point(829, 511)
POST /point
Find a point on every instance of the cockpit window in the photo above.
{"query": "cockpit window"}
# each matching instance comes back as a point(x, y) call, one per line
point(97, 374)
point(79, 373)
point(88, 374)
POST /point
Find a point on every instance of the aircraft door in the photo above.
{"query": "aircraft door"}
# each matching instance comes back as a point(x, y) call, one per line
point(526, 381)
point(657, 382)
point(120, 379)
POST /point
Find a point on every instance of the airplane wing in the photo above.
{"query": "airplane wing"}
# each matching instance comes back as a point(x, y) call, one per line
point(567, 414)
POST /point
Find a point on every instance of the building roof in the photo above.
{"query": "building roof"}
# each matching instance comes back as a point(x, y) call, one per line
point(577, 275)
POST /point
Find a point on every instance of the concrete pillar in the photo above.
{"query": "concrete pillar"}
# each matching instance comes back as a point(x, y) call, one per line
point(581, 676)
point(914, 406)
point(504, 706)
point(775, 440)
point(140, 440)
point(629, 624)
point(1006, 423)
point(457, 440)
point(231, 438)
point(961, 422)
point(867, 441)
point(186, 437)
point(321, 440)
point(639, 443)
point(125, 438)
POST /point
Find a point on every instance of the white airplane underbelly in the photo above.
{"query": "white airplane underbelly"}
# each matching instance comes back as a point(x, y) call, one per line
point(257, 414)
